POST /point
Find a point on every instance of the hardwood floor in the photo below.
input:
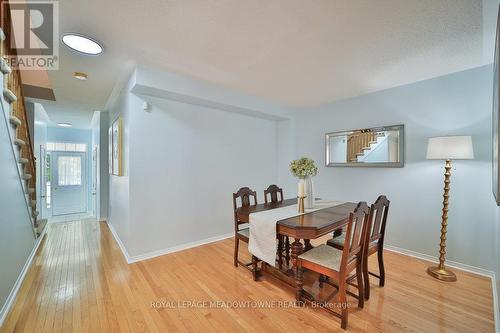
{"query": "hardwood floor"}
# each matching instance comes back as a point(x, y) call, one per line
point(80, 282)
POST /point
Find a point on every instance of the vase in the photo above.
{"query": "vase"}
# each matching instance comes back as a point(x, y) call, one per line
point(308, 192)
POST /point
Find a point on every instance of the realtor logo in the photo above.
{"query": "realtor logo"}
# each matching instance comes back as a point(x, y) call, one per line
point(33, 37)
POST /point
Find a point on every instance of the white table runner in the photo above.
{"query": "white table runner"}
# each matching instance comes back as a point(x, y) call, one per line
point(262, 242)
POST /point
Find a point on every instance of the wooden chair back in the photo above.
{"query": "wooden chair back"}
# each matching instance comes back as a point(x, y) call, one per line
point(378, 219)
point(244, 194)
point(273, 191)
point(357, 227)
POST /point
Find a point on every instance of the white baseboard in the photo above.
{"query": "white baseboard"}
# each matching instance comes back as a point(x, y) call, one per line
point(13, 293)
point(179, 247)
point(449, 263)
point(131, 259)
point(118, 240)
point(495, 303)
point(460, 266)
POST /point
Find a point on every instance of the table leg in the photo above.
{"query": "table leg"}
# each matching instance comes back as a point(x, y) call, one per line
point(280, 251)
point(297, 249)
point(287, 251)
point(308, 245)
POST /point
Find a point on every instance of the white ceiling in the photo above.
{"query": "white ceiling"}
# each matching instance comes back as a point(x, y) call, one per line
point(296, 52)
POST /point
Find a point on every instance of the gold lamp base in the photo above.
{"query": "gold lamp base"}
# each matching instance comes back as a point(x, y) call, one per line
point(442, 274)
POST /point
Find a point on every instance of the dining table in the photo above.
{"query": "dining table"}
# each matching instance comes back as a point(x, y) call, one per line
point(302, 228)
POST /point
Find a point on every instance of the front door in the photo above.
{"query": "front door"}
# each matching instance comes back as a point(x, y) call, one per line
point(69, 190)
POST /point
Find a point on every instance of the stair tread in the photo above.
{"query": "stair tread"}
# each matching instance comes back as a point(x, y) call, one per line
point(4, 67)
point(9, 95)
point(19, 142)
point(14, 120)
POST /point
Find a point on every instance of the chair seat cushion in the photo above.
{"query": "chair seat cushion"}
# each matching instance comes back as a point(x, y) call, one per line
point(325, 256)
point(337, 241)
point(244, 232)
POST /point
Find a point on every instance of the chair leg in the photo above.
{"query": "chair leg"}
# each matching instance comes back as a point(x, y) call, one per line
point(255, 271)
point(343, 303)
point(380, 255)
point(359, 277)
point(366, 278)
point(236, 248)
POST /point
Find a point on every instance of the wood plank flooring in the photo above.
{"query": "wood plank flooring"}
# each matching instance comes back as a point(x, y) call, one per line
point(80, 282)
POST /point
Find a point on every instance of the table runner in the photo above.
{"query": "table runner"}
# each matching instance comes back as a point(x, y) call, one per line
point(262, 242)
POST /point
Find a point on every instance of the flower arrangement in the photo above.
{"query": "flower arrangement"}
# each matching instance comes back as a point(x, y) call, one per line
point(303, 167)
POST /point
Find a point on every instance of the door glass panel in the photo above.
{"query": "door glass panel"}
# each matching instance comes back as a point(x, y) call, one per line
point(69, 170)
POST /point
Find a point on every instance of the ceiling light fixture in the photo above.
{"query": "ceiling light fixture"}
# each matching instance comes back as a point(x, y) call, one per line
point(64, 124)
point(80, 76)
point(82, 44)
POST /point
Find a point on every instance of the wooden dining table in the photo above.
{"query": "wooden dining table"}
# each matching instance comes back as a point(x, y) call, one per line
point(310, 225)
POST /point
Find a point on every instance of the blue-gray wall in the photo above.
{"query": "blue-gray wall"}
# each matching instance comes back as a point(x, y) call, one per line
point(456, 104)
point(16, 235)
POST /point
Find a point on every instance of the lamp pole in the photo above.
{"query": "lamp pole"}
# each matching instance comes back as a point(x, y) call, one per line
point(440, 272)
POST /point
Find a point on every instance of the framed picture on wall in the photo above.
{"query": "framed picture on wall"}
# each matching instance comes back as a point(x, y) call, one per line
point(110, 151)
point(496, 118)
point(116, 147)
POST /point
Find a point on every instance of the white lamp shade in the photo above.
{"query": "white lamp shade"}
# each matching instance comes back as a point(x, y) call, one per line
point(450, 148)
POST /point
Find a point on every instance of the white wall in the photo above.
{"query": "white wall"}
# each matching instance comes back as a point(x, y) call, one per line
point(40, 139)
point(119, 203)
point(185, 163)
point(181, 168)
point(450, 105)
point(99, 127)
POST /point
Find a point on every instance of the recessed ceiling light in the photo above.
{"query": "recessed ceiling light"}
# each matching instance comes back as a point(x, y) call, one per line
point(82, 44)
point(64, 124)
point(80, 76)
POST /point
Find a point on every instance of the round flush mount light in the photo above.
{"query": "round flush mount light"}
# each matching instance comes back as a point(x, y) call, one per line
point(64, 124)
point(82, 44)
point(80, 76)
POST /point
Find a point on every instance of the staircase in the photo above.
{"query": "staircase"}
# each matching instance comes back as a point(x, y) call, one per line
point(358, 144)
point(14, 109)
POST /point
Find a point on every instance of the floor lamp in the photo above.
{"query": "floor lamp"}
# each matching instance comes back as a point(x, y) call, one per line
point(447, 148)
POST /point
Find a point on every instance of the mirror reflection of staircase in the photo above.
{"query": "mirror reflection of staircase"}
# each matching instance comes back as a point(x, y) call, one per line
point(361, 144)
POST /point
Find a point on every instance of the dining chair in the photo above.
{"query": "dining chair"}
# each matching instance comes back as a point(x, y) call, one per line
point(242, 233)
point(374, 242)
point(275, 194)
point(273, 191)
point(340, 266)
